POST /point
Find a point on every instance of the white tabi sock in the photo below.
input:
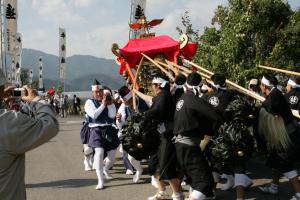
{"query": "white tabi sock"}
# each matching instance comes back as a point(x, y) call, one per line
point(291, 174)
point(109, 161)
point(98, 164)
point(198, 195)
point(242, 180)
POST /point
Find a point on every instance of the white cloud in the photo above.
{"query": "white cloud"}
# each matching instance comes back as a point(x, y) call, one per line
point(98, 42)
point(200, 12)
point(96, 39)
point(40, 39)
point(57, 11)
point(82, 3)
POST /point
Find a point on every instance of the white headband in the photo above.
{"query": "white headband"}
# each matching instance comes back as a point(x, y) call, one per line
point(266, 82)
point(293, 84)
point(218, 86)
point(96, 87)
point(160, 81)
point(195, 88)
point(178, 86)
point(127, 96)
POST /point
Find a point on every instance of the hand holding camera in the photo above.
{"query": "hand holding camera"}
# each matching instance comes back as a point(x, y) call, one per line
point(29, 94)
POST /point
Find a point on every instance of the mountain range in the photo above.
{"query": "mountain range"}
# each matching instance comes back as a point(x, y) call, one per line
point(81, 70)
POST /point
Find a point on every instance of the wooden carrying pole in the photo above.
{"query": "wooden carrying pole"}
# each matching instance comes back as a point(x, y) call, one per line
point(230, 83)
point(176, 71)
point(280, 70)
point(135, 82)
point(160, 67)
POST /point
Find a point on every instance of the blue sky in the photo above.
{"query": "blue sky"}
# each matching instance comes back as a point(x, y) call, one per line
point(93, 25)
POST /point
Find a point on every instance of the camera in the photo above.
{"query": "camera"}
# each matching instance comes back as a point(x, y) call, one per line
point(18, 92)
point(108, 98)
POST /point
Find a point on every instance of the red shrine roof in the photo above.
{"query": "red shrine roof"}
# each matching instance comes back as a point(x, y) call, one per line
point(164, 44)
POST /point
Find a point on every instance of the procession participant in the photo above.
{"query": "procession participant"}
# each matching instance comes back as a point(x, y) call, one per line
point(125, 110)
point(103, 136)
point(19, 134)
point(178, 88)
point(163, 164)
point(281, 134)
point(219, 98)
point(194, 118)
point(293, 94)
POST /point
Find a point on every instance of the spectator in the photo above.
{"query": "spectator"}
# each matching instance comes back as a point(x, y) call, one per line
point(76, 104)
point(20, 133)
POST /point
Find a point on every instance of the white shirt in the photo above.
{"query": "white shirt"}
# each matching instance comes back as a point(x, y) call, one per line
point(122, 111)
point(94, 112)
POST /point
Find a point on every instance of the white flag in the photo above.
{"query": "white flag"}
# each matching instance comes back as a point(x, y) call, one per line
point(18, 58)
point(41, 83)
point(62, 53)
point(30, 76)
point(10, 24)
point(138, 9)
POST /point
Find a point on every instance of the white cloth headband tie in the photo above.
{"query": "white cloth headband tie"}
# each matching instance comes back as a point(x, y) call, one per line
point(96, 87)
point(266, 82)
point(195, 88)
point(218, 86)
point(127, 96)
point(293, 84)
point(161, 81)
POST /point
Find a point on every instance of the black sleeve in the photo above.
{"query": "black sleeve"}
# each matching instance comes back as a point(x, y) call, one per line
point(157, 107)
point(207, 111)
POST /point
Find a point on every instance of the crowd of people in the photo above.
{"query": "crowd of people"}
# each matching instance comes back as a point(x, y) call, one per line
point(63, 104)
point(188, 113)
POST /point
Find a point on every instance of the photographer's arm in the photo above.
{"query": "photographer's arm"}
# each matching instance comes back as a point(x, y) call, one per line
point(23, 133)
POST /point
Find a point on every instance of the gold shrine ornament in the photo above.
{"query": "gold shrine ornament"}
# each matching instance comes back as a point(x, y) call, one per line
point(139, 145)
point(240, 153)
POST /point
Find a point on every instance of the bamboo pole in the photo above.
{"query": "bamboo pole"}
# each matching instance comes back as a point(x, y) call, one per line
point(179, 67)
point(158, 66)
point(230, 83)
point(200, 68)
point(135, 83)
point(131, 75)
point(280, 70)
point(172, 68)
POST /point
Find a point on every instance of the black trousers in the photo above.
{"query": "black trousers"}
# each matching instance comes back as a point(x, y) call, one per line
point(164, 161)
point(194, 166)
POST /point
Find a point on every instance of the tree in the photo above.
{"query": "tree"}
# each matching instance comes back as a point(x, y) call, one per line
point(244, 34)
point(24, 76)
point(286, 51)
point(188, 28)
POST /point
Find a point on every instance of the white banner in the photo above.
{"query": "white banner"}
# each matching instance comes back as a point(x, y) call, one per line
point(8, 76)
point(62, 53)
point(41, 83)
point(18, 58)
point(138, 9)
point(30, 76)
point(10, 24)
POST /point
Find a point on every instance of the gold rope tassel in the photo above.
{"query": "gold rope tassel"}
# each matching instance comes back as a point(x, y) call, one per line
point(274, 130)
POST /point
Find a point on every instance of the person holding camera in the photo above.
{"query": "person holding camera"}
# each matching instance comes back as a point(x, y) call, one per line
point(20, 133)
point(101, 112)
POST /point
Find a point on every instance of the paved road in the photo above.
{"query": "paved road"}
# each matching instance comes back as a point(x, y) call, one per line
point(54, 171)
